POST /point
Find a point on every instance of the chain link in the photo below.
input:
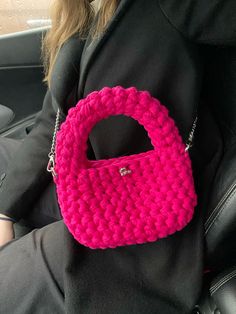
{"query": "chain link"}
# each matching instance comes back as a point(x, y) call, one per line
point(51, 155)
point(191, 135)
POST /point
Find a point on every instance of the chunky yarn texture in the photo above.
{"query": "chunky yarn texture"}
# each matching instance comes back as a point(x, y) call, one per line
point(130, 199)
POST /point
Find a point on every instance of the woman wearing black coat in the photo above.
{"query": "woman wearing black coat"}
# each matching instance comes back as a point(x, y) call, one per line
point(164, 47)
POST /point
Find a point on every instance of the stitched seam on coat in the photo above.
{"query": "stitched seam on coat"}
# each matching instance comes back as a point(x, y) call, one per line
point(222, 200)
point(218, 209)
point(222, 281)
point(196, 106)
point(172, 24)
point(203, 40)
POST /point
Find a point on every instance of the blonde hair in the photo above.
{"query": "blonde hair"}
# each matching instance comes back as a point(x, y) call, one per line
point(70, 17)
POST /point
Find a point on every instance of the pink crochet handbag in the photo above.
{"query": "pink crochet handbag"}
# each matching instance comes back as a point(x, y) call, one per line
point(130, 199)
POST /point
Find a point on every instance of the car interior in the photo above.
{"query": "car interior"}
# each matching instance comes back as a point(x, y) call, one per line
point(21, 97)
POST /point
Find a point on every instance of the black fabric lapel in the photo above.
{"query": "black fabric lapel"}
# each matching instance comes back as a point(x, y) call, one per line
point(91, 53)
point(66, 71)
point(65, 74)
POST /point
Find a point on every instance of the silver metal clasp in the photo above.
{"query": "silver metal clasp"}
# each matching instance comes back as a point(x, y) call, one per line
point(124, 171)
point(188, 146)
point(51, 165)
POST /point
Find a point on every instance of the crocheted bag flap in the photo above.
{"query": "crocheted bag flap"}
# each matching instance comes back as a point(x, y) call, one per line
point(130, 199)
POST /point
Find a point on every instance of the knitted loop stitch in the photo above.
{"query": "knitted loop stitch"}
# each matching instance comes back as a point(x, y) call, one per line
point(130, 199)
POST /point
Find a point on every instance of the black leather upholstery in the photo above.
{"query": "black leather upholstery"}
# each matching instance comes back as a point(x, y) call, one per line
point(223, 291)
point(220, 225)
point(219, 294)
point(206, 304)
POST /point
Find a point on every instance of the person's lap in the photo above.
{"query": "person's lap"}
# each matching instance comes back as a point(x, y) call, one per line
point(33, 259)
point(31, 272)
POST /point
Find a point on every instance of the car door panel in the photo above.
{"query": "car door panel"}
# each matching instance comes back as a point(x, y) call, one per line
point(21, 79)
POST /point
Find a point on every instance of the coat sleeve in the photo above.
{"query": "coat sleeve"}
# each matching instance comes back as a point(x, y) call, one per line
point(26, 174)
point(210, 22)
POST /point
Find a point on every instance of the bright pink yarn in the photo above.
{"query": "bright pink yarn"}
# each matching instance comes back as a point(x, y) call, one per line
point(130, 199)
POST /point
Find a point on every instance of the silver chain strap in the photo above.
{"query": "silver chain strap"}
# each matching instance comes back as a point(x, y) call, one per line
point(51, 155)
point(191, 135)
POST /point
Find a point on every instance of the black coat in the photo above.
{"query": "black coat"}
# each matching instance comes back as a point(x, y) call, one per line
point(167, 48)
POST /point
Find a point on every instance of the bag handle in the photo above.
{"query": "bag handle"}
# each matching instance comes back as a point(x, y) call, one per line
point(99, 105)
